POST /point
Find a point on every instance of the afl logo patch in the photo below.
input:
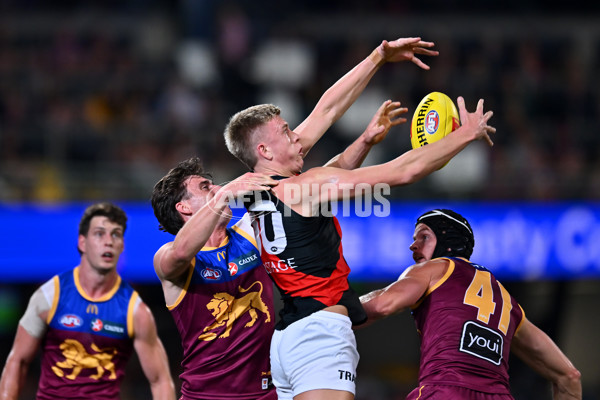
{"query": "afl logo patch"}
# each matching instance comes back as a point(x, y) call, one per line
point(233, 268)
point(432, 122)
point(211, 274)
point(70, 321)
point(97, 325)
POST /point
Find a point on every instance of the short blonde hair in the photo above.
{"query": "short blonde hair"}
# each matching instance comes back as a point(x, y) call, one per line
point(241, 129)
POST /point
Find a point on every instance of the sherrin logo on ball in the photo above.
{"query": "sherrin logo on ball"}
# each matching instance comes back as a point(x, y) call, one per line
point(434, 118)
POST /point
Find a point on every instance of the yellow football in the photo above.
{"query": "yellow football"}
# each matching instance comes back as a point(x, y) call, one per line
point(434, 118)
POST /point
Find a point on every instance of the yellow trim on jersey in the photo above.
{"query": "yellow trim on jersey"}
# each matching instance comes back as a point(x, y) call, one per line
point(185, 287)
point(106, 297)
point(443, 279)
point(130, 309)
point(449, 272)
point(420, 392)
point(246, 235)
point(54, 300)
point(223, 243)
point(239, 230)
point(522, 319)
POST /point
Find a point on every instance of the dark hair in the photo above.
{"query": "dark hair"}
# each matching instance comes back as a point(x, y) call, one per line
point(113, 212)
point(170, 190)
point(453, 233)
point(241, 128)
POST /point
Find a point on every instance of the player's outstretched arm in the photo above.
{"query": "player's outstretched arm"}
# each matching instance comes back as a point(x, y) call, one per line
point(387, 116)
point(538, 350)
point(410, 287)
point(339, 97)
point(173, 259)
point(152, 354)
point(403, 170)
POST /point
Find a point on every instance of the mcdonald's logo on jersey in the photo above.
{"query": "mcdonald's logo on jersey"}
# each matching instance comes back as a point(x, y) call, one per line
point(221, 255)
point(91, 309)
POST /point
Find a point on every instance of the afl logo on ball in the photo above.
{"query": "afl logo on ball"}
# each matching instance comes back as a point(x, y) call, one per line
point(432, 122)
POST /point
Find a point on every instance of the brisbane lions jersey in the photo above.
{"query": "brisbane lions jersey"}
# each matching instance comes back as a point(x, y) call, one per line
point(225, 318)
point(304, 257)
point(88, 342)
point(466, 323)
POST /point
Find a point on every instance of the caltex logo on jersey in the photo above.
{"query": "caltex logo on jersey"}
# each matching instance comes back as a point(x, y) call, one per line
point(233, 268)
point(70, 321)
point(97, 325)
point(432, 121)
point(211, 274)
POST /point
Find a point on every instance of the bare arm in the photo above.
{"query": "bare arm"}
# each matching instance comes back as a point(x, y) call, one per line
point(339, 97)
point(410, 287)
point(387, 115)
point(540, 352)
point(173, 259)
point(17, 364)
point(335, 183)
point(152, 355)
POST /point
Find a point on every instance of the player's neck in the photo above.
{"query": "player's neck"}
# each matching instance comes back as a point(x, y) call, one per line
point(272, 170)
point(218, 236)
point(95, 282)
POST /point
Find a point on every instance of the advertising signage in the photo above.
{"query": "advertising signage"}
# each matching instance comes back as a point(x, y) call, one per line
point(517, 241)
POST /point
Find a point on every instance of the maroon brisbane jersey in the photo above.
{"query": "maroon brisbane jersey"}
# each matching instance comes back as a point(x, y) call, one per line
point(466, 323)
point(304, 257)
point(225, 319)
point(88, 342)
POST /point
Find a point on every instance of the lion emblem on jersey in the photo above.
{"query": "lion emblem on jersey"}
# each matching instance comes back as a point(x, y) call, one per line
point(77, 359)
point(227, 310)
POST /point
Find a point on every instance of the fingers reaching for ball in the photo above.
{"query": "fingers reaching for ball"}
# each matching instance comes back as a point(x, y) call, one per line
point(477, 121)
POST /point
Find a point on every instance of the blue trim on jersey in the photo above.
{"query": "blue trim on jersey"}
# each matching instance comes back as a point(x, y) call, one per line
point(74, 313)
point(476, 266)
point(228, 262)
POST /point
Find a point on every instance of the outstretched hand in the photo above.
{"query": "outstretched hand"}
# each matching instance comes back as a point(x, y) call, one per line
point(477, 120)
point(387, 115)
point(246, 184)
point(406, 49)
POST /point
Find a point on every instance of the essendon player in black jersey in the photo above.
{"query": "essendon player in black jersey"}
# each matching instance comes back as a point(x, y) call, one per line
point(304, 257)
point(467, 321)
point(317, 351)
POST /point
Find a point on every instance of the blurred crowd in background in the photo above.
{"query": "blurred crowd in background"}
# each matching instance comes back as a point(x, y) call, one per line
point(98, 99)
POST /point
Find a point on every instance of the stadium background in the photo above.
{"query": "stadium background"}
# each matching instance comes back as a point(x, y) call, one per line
point(98, 99)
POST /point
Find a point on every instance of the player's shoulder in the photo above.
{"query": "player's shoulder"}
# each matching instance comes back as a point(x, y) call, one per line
point(438, 270)
point(162, 249)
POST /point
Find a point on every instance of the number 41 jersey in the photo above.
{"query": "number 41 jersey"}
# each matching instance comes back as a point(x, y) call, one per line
point(466, 323)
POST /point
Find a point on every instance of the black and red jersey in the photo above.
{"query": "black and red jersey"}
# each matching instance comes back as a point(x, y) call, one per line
point(304, 257)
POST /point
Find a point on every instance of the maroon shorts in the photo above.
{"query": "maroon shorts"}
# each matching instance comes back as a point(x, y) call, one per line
point(271, 394)
point(445, 392)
